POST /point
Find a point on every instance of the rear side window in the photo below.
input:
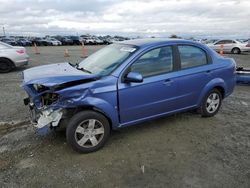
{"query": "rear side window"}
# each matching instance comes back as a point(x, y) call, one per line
point(154, 62)
point(191, 56)
point(220, 42)
point(228, 41)
point(224, 42)
point(3, 45)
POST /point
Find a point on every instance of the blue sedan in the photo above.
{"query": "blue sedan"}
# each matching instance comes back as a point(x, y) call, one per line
point(124, 84)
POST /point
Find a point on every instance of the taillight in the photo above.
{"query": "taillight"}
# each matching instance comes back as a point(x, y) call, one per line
point(20, 51)
point(248, 45)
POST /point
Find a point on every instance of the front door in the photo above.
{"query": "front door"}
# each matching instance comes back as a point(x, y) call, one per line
point(156, 94)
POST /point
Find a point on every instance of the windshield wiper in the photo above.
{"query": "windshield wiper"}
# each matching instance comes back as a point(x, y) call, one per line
point(82, 69)
point(71, 64)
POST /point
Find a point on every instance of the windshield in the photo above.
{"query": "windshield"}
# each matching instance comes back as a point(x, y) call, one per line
point(104, 61)
point(240, 41)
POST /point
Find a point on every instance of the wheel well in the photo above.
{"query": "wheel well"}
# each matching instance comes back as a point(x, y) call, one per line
point(235, 48)
point(12, 63)
point(221, 90)
point(82, 108)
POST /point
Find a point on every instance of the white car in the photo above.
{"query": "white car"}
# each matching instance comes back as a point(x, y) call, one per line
point(54, 42)
point(89, 41)
point(230, 46)
point(98, 41)
point(12, 57)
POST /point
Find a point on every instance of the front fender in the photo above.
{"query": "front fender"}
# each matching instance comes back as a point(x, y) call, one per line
point(217, 82)
point(109, 110)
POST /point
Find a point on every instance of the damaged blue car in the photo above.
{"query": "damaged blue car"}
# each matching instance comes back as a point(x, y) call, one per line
point(124, 84)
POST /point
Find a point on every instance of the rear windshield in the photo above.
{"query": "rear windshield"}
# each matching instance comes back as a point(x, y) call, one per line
point(4, 45)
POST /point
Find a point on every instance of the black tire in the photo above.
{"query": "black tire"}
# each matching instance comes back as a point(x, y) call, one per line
point(6, 65)
point(204, 109)
point(79, 119)
point(236, 51)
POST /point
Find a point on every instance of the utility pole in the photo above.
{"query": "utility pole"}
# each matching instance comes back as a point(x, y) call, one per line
point(3, 31)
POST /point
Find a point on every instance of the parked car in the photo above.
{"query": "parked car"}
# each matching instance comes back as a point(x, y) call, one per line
point(124, 84)
point(247, 41)
point(65, 40)
point(89, 41)
point(41, 42)
point(107, 41)
point(9, 41)
point(12, 57)
point(36, 41)
point(230, 46)
point(53, 42)
point(24, 42)
point(76, 40)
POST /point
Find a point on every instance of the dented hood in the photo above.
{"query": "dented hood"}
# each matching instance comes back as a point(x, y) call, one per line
point(54, 74)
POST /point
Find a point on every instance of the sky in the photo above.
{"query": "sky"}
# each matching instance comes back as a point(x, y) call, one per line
point(159, 18)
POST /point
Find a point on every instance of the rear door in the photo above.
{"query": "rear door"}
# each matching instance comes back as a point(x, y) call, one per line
point(195, 72)
point(156, 94)
point(228, 45)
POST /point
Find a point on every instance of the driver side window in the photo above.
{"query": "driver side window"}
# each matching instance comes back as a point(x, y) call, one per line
point(154, 62)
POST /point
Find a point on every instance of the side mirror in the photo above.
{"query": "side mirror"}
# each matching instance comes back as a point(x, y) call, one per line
point(134, 77)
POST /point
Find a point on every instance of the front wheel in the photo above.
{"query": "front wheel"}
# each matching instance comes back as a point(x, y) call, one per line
point(87, 131)
point(211, 103)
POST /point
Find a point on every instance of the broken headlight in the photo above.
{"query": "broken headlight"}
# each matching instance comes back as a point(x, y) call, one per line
point(49, 98)
point(40, 88)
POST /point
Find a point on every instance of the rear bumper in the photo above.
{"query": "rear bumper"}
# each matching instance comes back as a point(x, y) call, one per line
point(21, 63)
point(245, 49)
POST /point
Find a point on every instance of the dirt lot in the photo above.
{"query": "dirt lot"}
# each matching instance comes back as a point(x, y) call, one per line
point(184, 150)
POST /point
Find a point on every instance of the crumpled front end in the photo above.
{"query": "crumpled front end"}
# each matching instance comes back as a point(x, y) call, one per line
point(41, 112)
point(55, 96)
point(49, 97)
point(48, 104)
point(42, 118)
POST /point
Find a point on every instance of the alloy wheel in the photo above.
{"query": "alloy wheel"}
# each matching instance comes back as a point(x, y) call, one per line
point(213, 102)
point(89, 133)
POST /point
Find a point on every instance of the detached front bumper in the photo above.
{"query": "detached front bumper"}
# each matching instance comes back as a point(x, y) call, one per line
point(43, 117)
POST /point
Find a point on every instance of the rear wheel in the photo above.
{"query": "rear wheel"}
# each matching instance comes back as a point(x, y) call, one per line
point(5, 65)
point(236, 51)
point(87, 131)
point(211, 103)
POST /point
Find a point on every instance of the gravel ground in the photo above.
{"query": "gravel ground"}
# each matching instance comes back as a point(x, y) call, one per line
point(183, 150)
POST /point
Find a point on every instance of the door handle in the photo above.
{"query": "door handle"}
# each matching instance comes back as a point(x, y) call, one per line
point(208, 71)
point(167, 82)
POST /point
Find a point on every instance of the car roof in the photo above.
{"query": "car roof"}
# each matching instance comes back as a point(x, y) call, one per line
point(155, 41)
point(235, 40)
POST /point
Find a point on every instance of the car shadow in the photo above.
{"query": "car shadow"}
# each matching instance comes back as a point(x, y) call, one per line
point(57, 137)
point(20, 69)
